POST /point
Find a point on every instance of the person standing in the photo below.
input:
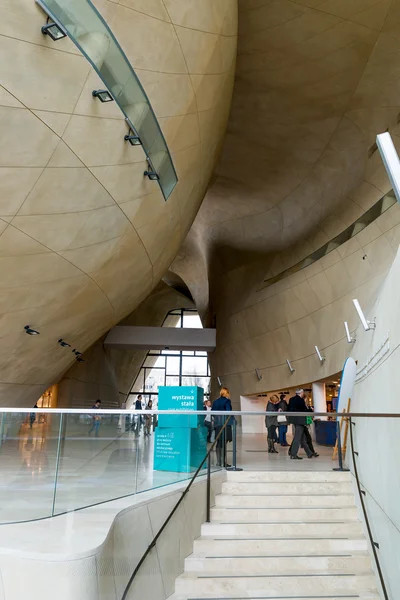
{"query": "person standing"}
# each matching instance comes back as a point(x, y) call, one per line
point(96, 420)
point(148, 419)
point(137, 419)
point(282, 427)
point(208, 420)
point(271, 422)
point(223, 403)
point(297, 404)
point(32, 416)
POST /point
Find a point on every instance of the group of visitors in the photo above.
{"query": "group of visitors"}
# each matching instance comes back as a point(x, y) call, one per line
point(149, 422)
point(302, 437)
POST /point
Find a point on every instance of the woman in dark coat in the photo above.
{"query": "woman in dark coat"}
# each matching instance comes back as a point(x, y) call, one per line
point(271, 422)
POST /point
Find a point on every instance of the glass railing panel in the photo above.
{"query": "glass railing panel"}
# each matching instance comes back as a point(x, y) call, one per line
point(91, 34)
point(98, 460)
point(28, 465)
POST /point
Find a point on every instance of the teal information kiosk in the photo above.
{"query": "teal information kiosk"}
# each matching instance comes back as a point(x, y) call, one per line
point(181, 440)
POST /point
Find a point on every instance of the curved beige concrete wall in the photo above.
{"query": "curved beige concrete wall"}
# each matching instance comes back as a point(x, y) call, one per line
point(84, 237)
point(286, 320)
point(316, 80)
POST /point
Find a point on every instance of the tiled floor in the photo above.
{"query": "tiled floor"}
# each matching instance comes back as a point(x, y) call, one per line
point(93, 470)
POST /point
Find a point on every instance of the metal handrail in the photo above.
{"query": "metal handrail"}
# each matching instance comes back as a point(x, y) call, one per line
point(361, 494)
point(171, 514)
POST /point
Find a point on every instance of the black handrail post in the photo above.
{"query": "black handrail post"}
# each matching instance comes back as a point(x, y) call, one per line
point(234, 457)
point(339, 447)
point(209, 488)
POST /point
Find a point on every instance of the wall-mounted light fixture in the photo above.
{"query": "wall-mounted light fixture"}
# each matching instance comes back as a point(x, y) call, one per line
point(102, 95)
point(63, 343)
point(368, 325)
point(152, 175)
point(219, 381)
point(390, 160)
point(259, 375)
point(31, 331)
point(132, 138)
point(289, 364)
point(321, 358)
point(349, 337)
point(76, 352)
point(79, 359)
point(55, 31)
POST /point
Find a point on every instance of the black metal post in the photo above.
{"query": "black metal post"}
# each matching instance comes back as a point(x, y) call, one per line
point(209, 488)
point(234, 457)
point(339, 447)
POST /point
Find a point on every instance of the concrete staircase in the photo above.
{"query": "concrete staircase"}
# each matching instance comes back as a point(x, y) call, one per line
point(281, 535)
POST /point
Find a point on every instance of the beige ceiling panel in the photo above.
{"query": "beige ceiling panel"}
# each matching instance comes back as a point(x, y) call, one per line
point(75, 230)
point(375, 16)
point(301, 29)
point(15, 185)
point(77, 190)
point(155, 234)
point(202, 50)
point(141, 211)
point(41, 78)
point(7, 99)
point(230, 18)
point(170, 94)
point(181, 132)
point(39, 142)
point(64, 157)
point(15, 243)
point(269, 15)
point(152, 8)
point(99, 142)
point(126, 276)
point(346, 8)
point(93, 257)
point(196, 15)
point(23, 20)
point(57, 121)
point(29, 270)
point(125, 182)
point(208, 89)
point(149, 43)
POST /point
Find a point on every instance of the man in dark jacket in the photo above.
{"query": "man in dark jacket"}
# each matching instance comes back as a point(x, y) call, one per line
point(298, 404)
point(282, 427)
point(223, 403)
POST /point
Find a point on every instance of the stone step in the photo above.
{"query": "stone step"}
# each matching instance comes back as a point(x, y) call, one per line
point(319, 501)
point(272, 547)
point(283, 530)
point(289, 476)
point(279, 586)
point(310, 488)
point(285, 515)
point(279, 565)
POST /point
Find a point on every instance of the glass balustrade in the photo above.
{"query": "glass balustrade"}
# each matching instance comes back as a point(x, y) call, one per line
point(91, 34)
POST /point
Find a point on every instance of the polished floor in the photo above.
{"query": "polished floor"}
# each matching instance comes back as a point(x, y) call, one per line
point(91, 470)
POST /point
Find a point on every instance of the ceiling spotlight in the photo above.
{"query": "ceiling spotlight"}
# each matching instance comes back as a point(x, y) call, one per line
point(350, 339)
point(30, 331)
point(368, 325)
point(102, 95)
point(79, 359)
point(292, 369)
point(321, 358)
point(64, 344)
point(259, 375)
point(55, 31)
point(390, 160)
point(219, 381)
point(76, 352)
